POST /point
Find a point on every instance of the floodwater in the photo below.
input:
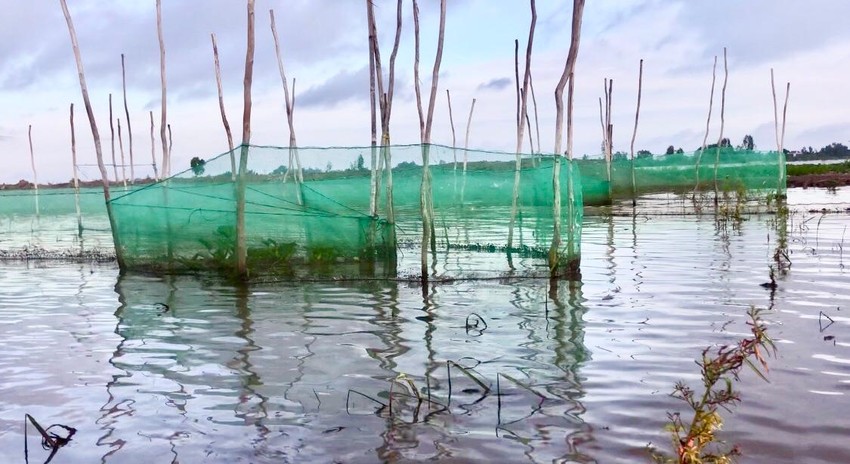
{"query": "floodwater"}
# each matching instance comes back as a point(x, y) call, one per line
point(190, 369)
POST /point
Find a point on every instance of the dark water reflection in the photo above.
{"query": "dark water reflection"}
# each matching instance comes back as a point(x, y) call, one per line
point(278, 372)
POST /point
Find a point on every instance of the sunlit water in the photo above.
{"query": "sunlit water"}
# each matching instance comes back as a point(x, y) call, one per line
point(280, 372)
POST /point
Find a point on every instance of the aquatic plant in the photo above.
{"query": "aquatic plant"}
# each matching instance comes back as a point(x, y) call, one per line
point(695, 441)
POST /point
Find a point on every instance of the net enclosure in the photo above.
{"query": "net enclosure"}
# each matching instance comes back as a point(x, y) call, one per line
point(734, 170)
point(342, 212)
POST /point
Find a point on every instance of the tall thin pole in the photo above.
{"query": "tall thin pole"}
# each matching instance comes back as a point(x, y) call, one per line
point(722, 122)
point(121, 148)
point(425, 125)
point(290, 105)
point(163, 123)
point(34, 172)
point(221, 109)
point(522, 112)
point(127, 119)
point(119, 254)
point(707, 125)
point(241, 238)
point(554, 249)
point(153, 150)
point(466, 138)
point(634, 134)
point(452, 124)
point(112, 139)
point(76, 181)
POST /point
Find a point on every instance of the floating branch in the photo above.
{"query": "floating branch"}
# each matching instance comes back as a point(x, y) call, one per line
point(221, 109)
point(127, 116)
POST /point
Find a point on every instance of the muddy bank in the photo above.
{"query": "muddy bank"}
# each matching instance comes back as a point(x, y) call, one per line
point(827, 180)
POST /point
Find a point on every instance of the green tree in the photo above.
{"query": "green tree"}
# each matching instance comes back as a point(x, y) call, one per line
point(748, 143)
point(644, 154)
point(670, 150)
point(197, 165)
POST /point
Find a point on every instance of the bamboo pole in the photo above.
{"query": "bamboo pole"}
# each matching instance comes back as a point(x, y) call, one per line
point(112, 139)
point(241, 238)
point(163, 123)
point(522, 113)
point(221, 109)
point(76, 180)
point(452, 124)
point(121, 148)
point(289, 99)
point(119, 254)
point(722, 122)
point(634, 134)
point(34, 172)
point(554, 249)
point(127, 119)
point(153, 150)
point(707, 125)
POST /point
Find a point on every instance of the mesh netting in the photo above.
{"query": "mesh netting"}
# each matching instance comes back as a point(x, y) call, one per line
point(45, 224)
point(326, 222)
point(757, 173)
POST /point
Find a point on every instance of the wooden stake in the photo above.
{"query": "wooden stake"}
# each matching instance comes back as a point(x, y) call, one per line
point(634, 135)
point(293, 151)
point(34, 172)
point(241, 238)
point(534, 103)
point(373, 194)
point(127, 116)
point(153, 150)
point(466, 138)
point(76, 181)
point(119, 254)
point(522, 112)
point(722, 122)
point(554, 249)
point(112, 139)
point(425, 124)
point(780, 137)
point(169, 145)
point(163, 123)
point(452, 123)
point(707, 125)
point(221, 109)
point(121, 148)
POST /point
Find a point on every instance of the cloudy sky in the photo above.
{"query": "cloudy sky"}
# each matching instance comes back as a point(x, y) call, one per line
point(325, 48)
